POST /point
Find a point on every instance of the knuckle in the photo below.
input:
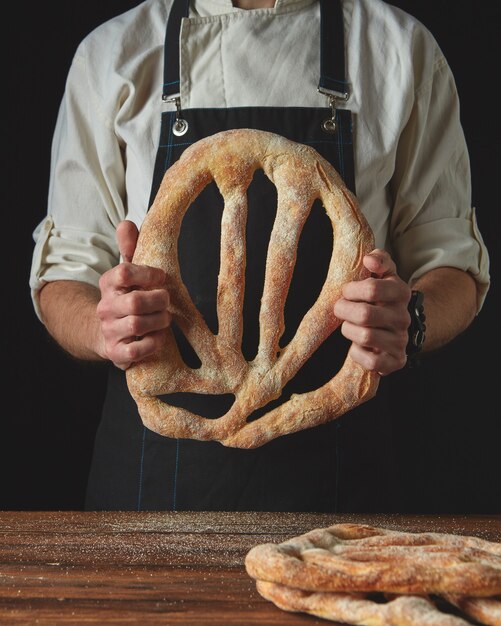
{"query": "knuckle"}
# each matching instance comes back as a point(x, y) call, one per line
point(135, 302)
point(106, 330)
point(371, 289)
point(366, 313)
point(131, 351)
point(403, 339)
point(366, 336)
point(123, 273)
point(133, 325)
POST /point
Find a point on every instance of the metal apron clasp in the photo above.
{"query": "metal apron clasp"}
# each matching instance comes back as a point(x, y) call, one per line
point(180, 126)
point(330, 125)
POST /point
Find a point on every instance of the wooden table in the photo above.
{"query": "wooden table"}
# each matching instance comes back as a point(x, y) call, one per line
point(161, 568)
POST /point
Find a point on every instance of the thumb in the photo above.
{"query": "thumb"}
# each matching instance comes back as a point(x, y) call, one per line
point(127, 234)
point(379, 263)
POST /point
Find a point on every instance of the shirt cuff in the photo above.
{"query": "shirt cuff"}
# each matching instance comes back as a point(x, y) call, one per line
point(448, 242)
point(67, 254)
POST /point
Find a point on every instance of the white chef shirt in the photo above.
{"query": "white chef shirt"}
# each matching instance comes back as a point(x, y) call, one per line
point(411, 162)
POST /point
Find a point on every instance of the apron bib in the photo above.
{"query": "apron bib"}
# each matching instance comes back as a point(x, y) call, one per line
point(344, 465)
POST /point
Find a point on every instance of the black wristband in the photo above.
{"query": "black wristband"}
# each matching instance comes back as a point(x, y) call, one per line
point(417, 328)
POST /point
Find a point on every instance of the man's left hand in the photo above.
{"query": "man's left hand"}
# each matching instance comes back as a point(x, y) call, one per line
point(375, 317)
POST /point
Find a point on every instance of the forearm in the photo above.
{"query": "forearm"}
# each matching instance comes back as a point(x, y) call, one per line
point(69, 314)
point(450, 302)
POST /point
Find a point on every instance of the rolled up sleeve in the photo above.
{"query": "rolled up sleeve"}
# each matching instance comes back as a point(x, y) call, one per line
point(425, 250)
point(433, 223)
point(76, 240)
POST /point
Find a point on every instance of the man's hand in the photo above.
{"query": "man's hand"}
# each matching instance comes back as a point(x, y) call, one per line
point(375, 317)
point(133, 310)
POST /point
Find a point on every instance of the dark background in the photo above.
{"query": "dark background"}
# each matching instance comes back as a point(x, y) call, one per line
point(446, 412)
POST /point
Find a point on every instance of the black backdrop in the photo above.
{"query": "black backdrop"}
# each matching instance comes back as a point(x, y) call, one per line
point(446, 412)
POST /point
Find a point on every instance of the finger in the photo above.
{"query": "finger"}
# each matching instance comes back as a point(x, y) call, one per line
point(124, 353)
point(141, 302)
point(127, 234)
point(120, 314)
point(380, 339)
point(366, 314)
point(381, 362)
point(137, 326)
point(390, 289)
point(380, 263)
point(127, 276)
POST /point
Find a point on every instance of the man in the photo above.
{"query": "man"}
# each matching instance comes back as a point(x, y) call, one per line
point(256, 64)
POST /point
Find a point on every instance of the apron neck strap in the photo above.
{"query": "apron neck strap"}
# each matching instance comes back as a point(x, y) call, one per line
point(179, 9)
point(332, 64)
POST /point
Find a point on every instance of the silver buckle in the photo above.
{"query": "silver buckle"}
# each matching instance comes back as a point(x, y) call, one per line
point(180, 126)
point(330, 125)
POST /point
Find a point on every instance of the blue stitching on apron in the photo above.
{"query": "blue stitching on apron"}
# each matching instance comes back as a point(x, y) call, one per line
point(139, 495)
point(339, 143)
point(176, 469)
point(341, 83)
point(172, 82)
point(336, 482)
point(170, 144)
point(339, 146)
point(175, 145)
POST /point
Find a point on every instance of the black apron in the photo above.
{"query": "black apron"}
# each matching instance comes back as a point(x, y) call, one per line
point(341, 466)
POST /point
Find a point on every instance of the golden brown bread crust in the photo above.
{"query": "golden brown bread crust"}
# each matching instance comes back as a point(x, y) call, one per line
point(301, 175)
point(484, 610)
point(358, 558)
point(359, 609)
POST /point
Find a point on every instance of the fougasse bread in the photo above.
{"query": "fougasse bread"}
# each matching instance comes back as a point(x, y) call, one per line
point(360, 609)
point(301, 176)
point(360, 558)
point(367, 576)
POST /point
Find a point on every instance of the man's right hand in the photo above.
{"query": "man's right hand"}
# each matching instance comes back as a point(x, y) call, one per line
point(133, 310)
